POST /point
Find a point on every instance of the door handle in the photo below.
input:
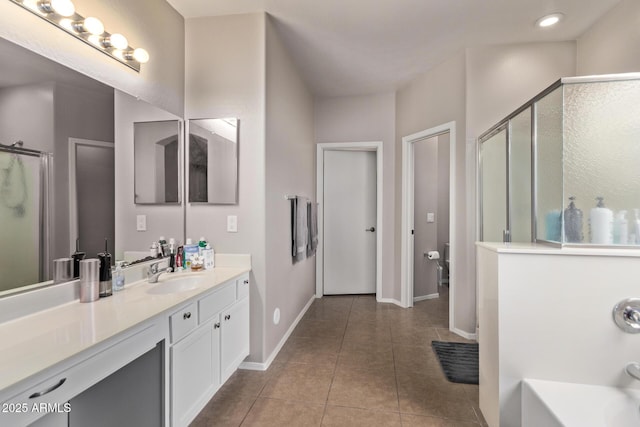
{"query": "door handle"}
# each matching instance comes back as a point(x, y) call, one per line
point(372, 229)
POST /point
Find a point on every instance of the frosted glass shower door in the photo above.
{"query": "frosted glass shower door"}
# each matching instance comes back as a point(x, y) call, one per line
point(19, 220)
point(520, 177)
point(493, 208)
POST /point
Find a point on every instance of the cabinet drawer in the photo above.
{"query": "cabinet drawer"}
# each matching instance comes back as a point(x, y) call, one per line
point(243, 287)
point(183, 321)
point(57, 389)
point(213, 303)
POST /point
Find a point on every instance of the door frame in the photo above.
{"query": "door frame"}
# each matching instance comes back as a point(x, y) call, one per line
point(407, 245)
point(73, 196)
point(375, 146)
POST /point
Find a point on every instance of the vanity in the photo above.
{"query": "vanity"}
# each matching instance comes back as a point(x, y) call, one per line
point(153, 354)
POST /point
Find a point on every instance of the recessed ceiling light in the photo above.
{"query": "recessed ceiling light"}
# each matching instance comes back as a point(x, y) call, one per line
point(549, 20)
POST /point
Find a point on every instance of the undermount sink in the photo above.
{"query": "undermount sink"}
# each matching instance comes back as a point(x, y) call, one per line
point(171, 285)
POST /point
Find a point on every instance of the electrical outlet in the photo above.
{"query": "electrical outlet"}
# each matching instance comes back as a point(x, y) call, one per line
point(431, 217)
point(141, 222)
point(232, 223)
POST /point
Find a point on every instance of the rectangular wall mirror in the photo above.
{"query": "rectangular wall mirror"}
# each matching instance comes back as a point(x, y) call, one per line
point(157, 162)
point(213, 161)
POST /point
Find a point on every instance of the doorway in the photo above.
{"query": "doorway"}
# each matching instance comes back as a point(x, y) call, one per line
point(349, 192)
point(408, 261)
point(91, 195)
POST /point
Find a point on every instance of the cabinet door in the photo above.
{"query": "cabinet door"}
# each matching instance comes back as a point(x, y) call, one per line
point(192, 373)
point(234, 337)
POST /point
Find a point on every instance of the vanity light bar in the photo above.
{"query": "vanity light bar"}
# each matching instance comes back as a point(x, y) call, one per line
point(90, 30)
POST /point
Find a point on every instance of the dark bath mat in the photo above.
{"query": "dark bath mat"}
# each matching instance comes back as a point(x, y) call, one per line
point(459, 361)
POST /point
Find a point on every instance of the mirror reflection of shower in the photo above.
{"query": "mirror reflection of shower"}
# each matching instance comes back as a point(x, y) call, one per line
point(13, 184)
point(24, 215)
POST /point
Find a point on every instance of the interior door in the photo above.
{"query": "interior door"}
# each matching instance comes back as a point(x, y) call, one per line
point(349, 222)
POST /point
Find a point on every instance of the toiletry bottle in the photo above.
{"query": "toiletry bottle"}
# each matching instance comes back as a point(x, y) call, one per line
point(636, 226)
point(573, 223)
point(190, 250)
point(209, 257)
point(553, 225)
point(164, 249)
point(601, 224)
point(118, 277)
point(202, 244)
point(153, 250)
point(180, 257)
point(172, 254)
point(106, 281)
point(621, 229)
point(77, 256)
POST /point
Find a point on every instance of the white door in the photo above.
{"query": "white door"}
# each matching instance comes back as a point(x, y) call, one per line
point(349, 222)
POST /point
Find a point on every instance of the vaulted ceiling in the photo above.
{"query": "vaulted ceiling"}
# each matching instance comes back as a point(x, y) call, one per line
point(351, 47)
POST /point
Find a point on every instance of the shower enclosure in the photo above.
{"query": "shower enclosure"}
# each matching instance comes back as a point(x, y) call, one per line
point(543, 169)
point(24, 216)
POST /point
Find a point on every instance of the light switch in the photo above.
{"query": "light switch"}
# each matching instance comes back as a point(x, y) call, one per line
point(232, 223)
point(431, 217)
point(141, 222)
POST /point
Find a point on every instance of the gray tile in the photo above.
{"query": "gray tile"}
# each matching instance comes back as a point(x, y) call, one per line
point(338, 416)
point(278, 413)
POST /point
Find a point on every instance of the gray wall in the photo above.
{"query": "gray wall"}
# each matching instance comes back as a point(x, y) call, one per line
point(290, 169)
point(225, 77)
point(162, 220)
point(364, 119)
point(612, 44)
point(151, 24)
point(431, 194)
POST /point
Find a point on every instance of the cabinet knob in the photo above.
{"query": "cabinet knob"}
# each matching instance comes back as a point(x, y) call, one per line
point(227, 317)
point(216, 325)
point(186, 315)
point(246, 282)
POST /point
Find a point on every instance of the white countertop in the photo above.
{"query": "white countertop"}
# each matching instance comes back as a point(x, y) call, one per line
point(544, 249)
point(33, 343)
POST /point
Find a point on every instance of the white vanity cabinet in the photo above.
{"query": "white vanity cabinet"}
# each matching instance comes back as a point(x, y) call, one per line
point(206, 352)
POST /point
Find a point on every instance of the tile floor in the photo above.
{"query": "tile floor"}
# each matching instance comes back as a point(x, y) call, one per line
point(352, 362)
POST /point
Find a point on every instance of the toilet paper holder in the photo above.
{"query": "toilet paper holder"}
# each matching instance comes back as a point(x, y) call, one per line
point(432, 255)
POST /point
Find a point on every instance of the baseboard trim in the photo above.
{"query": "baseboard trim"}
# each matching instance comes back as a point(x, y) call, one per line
point(258, 366)
point(390, 301)
point(464, 334)
point(424, 297)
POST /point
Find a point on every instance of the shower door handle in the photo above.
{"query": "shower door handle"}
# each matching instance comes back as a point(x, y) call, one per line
point(371, 229)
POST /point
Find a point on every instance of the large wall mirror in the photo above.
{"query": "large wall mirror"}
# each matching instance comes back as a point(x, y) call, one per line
point(66, 162)
point(213, 161)
point(157, 162)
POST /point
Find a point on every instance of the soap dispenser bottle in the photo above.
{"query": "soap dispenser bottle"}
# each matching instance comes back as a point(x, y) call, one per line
point(77, 256)
point(621, 229)
point(106, 281)
point(573, 223)
point(601, 224)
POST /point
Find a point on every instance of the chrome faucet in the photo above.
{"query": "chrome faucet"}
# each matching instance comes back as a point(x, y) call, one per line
point(154, 273)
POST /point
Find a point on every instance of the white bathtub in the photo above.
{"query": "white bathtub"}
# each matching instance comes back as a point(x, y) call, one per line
point(556, 404)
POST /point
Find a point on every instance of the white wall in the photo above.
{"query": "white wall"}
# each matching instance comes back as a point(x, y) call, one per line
point(151, 24)
point(359, 119)
point(225, 77)
point(162, 220)
point(612, 44)
point(546, 315)
point(290, 169)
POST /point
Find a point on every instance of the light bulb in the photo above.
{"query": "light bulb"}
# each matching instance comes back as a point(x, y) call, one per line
point(95, 40)
point(118, 41)
point(93, 25)
point(63, 7)
point(33, 5)
point(66, 23)
point(549, 20)
point(119, 54)
point(141, 55)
